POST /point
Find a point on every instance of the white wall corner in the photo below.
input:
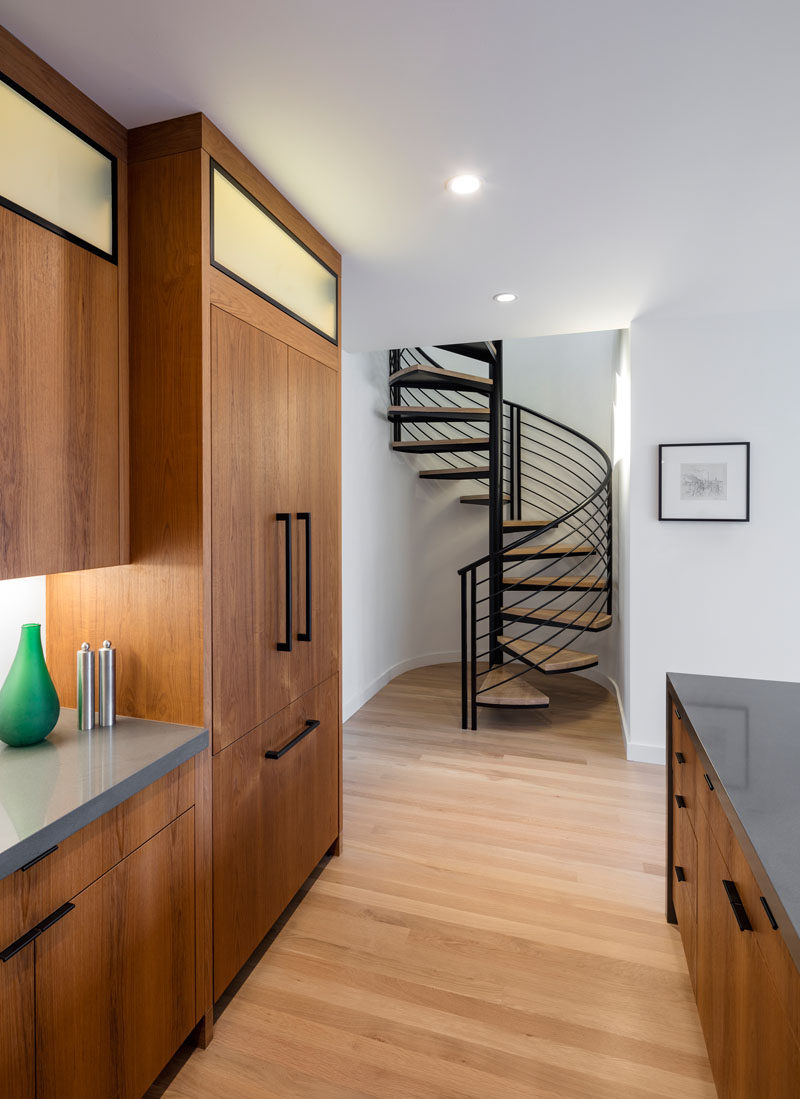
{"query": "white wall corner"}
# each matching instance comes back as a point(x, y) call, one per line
point(352, 705)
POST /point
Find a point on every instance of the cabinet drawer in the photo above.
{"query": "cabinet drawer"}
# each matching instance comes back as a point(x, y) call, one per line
point(684, 767)
point(276, 804)
point(28, 896)
point(684, 885)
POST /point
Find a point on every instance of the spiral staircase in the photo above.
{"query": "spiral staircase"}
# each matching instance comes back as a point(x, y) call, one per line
point(545, 584)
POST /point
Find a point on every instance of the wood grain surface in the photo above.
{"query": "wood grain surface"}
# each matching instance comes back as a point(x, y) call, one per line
point(494, 926)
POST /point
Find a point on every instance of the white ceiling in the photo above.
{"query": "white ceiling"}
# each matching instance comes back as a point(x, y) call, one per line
point(639, 155)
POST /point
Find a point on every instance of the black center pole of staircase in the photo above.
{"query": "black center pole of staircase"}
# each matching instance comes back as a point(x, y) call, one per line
point(496, 506)
point(394, 392)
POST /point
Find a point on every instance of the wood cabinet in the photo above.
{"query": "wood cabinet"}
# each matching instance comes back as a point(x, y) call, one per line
point(18, 1025)
point(98, 991)
point(63, 368)
point(235, 459)
point(115, 976)
point(276, 804)
point(746, 984)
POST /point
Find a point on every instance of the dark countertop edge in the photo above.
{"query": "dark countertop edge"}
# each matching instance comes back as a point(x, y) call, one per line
point(787, 929)
point(58, 830)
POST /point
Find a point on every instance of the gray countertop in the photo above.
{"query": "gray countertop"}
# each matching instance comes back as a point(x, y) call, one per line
point(749, 732)
point(49, 791)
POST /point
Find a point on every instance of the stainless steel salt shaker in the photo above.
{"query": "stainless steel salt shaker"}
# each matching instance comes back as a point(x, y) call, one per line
point(107, 683)
point(85, 687)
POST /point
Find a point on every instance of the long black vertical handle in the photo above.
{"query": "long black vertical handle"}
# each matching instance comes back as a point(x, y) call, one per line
point(285, 517)
point(737, 906)
point(305, 516)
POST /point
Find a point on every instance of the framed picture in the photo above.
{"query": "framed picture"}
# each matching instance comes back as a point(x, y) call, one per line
point(704, 481)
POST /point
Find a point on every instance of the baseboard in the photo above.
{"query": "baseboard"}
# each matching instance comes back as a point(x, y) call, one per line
point(353, 704)
point(636, 753)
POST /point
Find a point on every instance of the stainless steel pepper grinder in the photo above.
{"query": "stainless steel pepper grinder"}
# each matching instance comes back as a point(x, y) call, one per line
point(85, 687)
point(107, 684)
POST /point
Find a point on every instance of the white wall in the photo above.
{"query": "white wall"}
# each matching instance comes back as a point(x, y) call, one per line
point(403, 540)
point(713, 598)
point(21, 601)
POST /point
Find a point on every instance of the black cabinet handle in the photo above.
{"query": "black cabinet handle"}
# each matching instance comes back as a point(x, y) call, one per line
point(39, 858)
point(54, 917)
point(681, 758)
point(679, 873)
point(770, 917)
point(680, 801)
point(285, 517)
point(35, 932)
point(737, 906)
point(709, 783)
point(310, 726)
point(677, 713)
point(305, 517)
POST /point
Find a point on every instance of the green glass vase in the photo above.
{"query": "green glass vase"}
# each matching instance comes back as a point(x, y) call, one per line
point(29, 706)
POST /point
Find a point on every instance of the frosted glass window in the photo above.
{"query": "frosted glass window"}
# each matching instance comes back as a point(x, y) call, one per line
point(53, 175)
point(252, 246)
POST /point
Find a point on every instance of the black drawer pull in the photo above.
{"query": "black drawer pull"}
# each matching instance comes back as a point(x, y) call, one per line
point(39, 858)
point(310, 726)
point(681, 758)
point(680, 801)
point(305, 516)
point(285, 517)
point(737, 906)
point(677, 714)
point(54, 917)
point(679, 873)
point(709, 783)
point(770, 917)
point(35, 932)
point(20, 944)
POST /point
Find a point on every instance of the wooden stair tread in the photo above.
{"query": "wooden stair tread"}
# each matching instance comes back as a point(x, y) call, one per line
point(442, 446)
point(525, 524)
point(589, 582)
point(456, 473)
point(558, 549)
point(448, 413)
point(480, 498)
point(431, 377)
point(548, 658)
point(581, 620)
point(498, 690)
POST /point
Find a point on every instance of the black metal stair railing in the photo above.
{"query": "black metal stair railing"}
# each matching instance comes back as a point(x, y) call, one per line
point(562, 479)
point(548, 587)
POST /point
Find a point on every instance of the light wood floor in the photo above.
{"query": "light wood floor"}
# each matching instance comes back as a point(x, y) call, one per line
point(494, 926)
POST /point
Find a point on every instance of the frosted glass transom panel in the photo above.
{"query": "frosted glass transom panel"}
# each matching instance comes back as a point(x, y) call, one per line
point(252, 246)
point(53, 175)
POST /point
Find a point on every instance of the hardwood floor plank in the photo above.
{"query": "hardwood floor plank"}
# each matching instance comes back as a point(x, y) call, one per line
point(494, 925)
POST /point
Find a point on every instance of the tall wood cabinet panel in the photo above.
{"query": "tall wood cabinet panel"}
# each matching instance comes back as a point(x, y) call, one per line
point(313, 420)
point(249, 440)
point(17, 1026)
point(234, 420)
point(63, 368)
point(115, 976)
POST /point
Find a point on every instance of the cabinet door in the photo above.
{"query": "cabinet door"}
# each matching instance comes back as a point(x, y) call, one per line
point(17, 1042)
point(274, 819)
point(752, 1049)
point(251, 676)
point(315, 479)
point(115, 976)
point(684, 886)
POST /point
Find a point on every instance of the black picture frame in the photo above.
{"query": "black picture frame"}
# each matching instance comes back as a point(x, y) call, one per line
point(664, 517)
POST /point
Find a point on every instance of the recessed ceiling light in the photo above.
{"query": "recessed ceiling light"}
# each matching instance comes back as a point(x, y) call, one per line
point(464, 184)
point(504, 296)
